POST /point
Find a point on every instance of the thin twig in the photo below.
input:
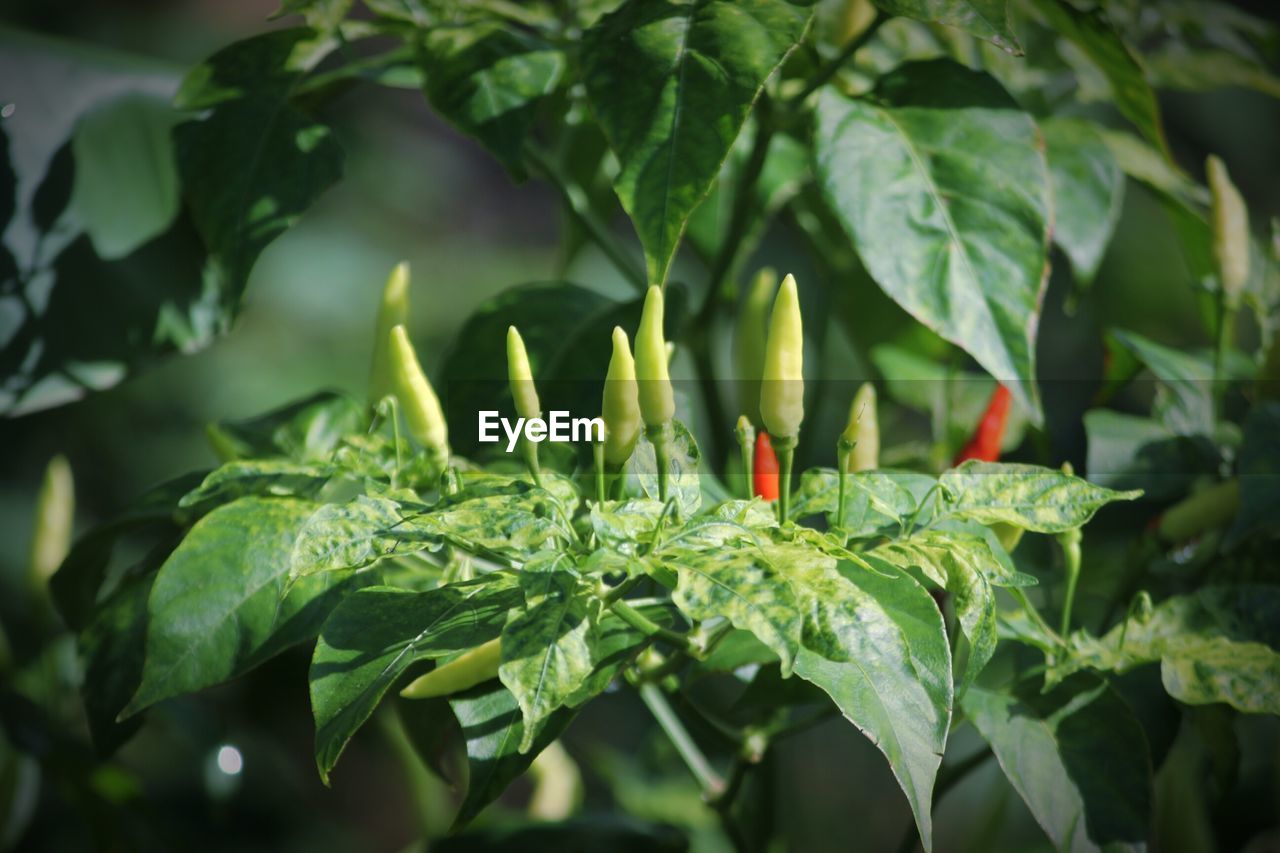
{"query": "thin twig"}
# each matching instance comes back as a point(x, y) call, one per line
point(712, 784)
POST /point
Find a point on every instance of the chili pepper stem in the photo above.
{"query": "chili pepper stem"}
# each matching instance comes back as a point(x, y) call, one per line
point(842, 471)
point(648, 627)
point(1070, 542)
point(597, 454)
point(531, 461)
point(659, 436)
point(786, 450)
point(748, 448)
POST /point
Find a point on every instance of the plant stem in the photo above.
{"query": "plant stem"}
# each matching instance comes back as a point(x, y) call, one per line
point(580, 209)
point(834, 65)
point(1070, 542)
point(786, 449)
point(747, 444)
point(842, 472)
point(647, 626)
point(1226, 337)
point(712, 784)
point(659, 437)
point(597, 453)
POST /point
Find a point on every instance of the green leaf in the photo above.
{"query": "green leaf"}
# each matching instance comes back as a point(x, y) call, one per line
point(309, 430)
point(113, 647)
point(942, 184)
point(1076, 756)
point(874, 500)
point(671, 85)
point(1216, 645)
point(684, 483)
point(1184, 401)
point(493, 728)
point(487, 79)
point(1027, 496)
point(1088, 189)
point(264, 477)
point(984, 19)
point(126, 182)
point(1092, 34)
point(873, 642)
point(965, 566)
point(1178, 66)
point(1259, 472)
point(322, 14)
point(1135, 452)
point(547, 650)
point(244, 190)
point(628, 526)
point(377, 633)
point(218, 607)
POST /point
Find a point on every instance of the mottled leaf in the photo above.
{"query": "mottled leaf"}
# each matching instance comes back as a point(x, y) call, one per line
point(377, 633)
point(942, 184)
point(671, 84)
point(218, 605)
point(547, 651)
point(264, 477)
point(1026, 496)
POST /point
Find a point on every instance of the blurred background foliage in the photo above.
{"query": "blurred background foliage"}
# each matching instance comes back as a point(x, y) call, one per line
point(416, 189)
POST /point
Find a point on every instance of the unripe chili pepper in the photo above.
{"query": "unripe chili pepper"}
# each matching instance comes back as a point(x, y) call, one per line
point(1230, 221)
point(657, 401)
point(749, 340)
point(782, 391)
point(54, 518)
point(463, 672)
point(621, 405)
point(986, 441)
point(861, 436)
point(417, 398)
point(393, 311)
point(520, 377)
point(764, 469)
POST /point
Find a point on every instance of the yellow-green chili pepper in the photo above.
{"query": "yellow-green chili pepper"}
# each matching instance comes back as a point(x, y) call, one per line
point(749, 340)
point(861, 437)
point(463, 672)
point(1230, 220)
point(55, 517)
point(782, 391)
point(657, 401)
point(621, 405)
point(520, 377)
point(393, 311)
point(418, 400)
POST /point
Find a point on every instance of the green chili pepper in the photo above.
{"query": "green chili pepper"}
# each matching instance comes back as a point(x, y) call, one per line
point(657, 402)
point(861, 436)
point(465, 671)
point(749, 340)
point(525, 395)
point(1230, 220)
point(55, 517)
point(621, 405)
point(782, 392)
point(392, 311)
point(417, 398)
point(520, 377)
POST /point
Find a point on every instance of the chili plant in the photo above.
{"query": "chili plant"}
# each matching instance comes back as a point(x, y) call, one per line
point(944, 155)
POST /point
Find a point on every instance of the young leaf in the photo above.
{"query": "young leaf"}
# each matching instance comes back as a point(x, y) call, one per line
point(1088, 188)
point(942, 184)
point(1076, 756)
point(1216, 645)
point(984, 19)
point(547, 651)
point(684, 481)
point(218, 606)
point(1026, 496)
point(671, 85)
point(374, 635)
point(874, 500)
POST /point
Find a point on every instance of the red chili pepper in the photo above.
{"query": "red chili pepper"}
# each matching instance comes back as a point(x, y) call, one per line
point(765, 468)
point(985, 444)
